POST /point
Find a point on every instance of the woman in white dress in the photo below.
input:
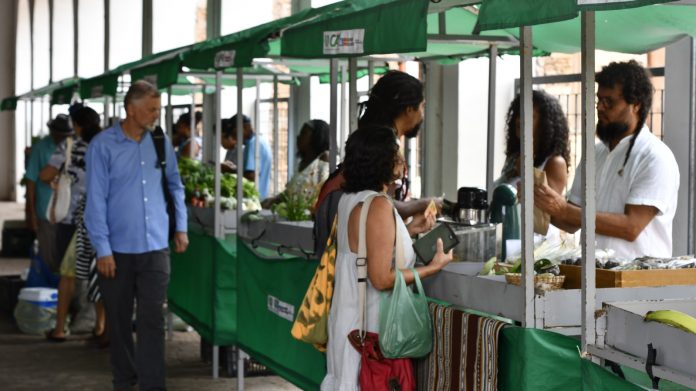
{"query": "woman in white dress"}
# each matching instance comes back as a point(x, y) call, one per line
point(371, 164)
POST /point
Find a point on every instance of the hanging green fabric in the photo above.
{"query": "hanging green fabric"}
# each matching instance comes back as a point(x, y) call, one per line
point(162, 74)
point(9, 104)
point(360, 27)
point(596, 378)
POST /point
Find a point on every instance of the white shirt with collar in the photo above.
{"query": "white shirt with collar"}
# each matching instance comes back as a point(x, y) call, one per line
point(650, 177)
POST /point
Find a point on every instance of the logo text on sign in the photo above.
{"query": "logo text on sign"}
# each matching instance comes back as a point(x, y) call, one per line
point(344, 41)
point(281, 308)
point(224, 58)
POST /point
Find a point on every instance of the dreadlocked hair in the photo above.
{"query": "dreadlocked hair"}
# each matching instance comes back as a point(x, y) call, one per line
point(636, 88)
point(552, 137)
point(390, 96)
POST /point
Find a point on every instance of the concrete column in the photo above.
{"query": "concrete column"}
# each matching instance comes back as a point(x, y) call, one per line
point(8, 40)
point(679, 136)
point(213, 25)
point(441, 143)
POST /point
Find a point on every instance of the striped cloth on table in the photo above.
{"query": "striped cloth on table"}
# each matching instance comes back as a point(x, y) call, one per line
point(464, 355)
point(86, 263)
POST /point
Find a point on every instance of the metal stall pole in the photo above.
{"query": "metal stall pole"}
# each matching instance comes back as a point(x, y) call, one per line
point(691, 235)
point(587, 237)
point(527, 153)
point(41, 115)
point(352, 94)
point(492, 76)
point(257, 121)
point(342, 139)
point(31, 117)
point(276, 139)
point(27, 127)
point(216, 213)
point(370, 74)
point(240, 175)
point(192, 125)
point(169, 115)
point(333, 116)
point(106, 111)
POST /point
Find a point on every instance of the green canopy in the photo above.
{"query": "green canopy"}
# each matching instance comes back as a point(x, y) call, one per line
point(162, 74)
point(497, 14)
point(100, 86)
point(660, 25)
point(9, 104)
point(63, 95)
point(359, 27)
point(241, 48)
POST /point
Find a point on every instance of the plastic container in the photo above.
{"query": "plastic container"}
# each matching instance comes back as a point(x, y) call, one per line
point(43, 297)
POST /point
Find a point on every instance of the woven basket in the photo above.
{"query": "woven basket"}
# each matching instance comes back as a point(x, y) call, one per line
point(547, 282)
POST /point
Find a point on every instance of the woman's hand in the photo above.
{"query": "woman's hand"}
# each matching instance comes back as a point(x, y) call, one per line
point(440, 259)
point(420, 223)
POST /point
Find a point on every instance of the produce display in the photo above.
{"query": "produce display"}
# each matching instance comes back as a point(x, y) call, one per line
point(199, 186)
point(673, 318)
point(644, 263)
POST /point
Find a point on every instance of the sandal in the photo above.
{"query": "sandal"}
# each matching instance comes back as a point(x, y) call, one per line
point(51, 338)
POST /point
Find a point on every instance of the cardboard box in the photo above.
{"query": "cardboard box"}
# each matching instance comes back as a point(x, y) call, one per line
point(629, 278)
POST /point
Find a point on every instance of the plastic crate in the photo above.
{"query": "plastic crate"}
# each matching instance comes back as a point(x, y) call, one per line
point(228, 361)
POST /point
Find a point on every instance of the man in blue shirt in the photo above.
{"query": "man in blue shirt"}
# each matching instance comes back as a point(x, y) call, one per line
point(265, 157)
point(127, 221)
point(39, 193)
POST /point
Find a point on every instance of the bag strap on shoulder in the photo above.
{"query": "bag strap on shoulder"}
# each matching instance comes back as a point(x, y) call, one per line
point(361, 261)
point(68, 154)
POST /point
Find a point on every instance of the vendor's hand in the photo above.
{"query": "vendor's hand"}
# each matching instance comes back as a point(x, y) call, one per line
point(546, 199)
point(441, 259)
point(228, 166)
point(268, 202)
point(181, 242)
point(106, 266)
point(439, 203)
point(420, 223)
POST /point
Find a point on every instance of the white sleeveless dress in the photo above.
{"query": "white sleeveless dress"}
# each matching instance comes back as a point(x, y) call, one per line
point(342, 360)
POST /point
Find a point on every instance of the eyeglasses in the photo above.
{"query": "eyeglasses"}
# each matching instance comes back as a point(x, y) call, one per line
point(607, 101)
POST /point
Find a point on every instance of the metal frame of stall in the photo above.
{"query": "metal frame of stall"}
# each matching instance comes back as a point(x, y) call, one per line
point(555, 309)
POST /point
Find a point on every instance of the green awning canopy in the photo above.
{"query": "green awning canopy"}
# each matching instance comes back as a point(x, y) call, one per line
point(9, 104)
point(100, 86)
point(64, 94)
point(660, 25)
point(359, 27)
point(162, 74)
point(241, 48)
point(502, 14)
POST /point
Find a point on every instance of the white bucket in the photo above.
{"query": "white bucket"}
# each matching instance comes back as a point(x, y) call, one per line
point(44, 297)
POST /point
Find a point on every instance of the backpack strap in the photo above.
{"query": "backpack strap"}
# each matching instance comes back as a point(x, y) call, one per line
point(158, 139)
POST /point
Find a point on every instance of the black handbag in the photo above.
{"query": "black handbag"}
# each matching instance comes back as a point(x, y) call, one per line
point(158, 139)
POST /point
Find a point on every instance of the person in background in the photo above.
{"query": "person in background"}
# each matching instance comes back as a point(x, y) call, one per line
point(372, 162)
point(86, 123)
point(637, 177)
point(39, 192)
point(396, 101)
point(550, 137)
point(128, 225)
point(229, 134)
point(182, 128)
point(229, 164)
point(312, 148)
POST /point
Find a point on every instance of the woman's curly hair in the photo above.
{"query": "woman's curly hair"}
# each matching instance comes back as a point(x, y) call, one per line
point(371, 155)
point(552, 137)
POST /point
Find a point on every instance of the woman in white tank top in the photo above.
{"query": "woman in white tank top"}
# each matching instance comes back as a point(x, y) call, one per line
point(370, 165)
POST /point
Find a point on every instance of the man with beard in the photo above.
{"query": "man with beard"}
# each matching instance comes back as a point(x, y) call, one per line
point(637, 177)
point(128, 225)
point(395, 101)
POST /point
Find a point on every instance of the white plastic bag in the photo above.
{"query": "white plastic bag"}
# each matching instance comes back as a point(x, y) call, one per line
point(59, 203)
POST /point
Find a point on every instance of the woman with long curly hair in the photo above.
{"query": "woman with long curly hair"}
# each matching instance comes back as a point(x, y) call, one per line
point(550, 138)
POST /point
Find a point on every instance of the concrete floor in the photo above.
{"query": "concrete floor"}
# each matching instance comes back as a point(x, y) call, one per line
point(31, 363)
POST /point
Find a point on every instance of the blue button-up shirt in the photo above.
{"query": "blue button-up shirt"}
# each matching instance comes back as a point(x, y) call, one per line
point(126, 210)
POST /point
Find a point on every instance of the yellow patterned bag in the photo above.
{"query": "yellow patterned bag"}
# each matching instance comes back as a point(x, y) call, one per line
point(313, 316)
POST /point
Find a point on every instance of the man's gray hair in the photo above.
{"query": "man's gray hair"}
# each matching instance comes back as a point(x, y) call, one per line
point(138, 90)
